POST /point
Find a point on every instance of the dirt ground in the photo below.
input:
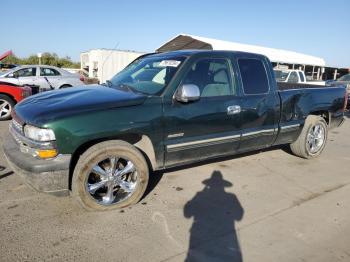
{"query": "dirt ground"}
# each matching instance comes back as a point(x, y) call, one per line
point(265, 206)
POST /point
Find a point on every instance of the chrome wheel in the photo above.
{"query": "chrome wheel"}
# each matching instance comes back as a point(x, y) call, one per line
point(316, 138)
point(5, 109)
point(112, 180)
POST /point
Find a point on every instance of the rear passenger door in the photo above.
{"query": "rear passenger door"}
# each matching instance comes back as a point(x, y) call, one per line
point(52, 76)
point(260, 103)
point(205, 128)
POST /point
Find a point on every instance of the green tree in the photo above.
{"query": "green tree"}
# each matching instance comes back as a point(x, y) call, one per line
point(46, 59)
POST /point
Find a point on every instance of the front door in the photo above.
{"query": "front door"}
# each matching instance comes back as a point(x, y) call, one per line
point(209, 126)
point(26, 76)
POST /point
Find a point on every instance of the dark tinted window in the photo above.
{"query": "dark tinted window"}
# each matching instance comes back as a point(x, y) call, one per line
point(254, 76)
point(293, 78)
point(301, 75)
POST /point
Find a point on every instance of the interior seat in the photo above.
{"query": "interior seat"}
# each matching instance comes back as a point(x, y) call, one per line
point(220, 85)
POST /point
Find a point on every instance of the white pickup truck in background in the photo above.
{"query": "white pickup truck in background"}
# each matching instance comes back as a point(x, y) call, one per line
point(294, 76)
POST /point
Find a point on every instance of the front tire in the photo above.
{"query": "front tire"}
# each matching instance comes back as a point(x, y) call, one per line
point(6, 107)
point(110, 175)
point(312, 139)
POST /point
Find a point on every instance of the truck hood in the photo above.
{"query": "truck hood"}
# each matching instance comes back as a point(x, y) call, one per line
point(41, 108)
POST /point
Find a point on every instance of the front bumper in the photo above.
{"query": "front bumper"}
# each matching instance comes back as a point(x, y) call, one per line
point(49, 176)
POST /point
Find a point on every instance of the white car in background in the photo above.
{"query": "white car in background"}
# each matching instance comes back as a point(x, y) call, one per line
point(45, 77)
point(294, 76)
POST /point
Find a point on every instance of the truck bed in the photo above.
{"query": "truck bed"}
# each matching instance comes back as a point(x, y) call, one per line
point(287, 86)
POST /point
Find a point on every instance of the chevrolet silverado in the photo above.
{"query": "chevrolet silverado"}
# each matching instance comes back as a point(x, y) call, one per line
point(101, 143)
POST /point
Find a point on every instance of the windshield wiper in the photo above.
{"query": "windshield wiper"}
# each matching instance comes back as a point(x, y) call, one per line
point(130, 88)
point(126, 88)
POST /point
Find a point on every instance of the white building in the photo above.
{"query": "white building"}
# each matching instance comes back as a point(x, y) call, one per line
point(105, 63)
point(313, 66)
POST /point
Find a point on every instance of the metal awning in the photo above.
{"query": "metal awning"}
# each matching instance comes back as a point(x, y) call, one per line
point(184, 41)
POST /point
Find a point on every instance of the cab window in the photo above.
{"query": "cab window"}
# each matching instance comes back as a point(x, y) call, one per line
point(301, 75)
point(254, 77)
point(212, 76)
point(293, 78)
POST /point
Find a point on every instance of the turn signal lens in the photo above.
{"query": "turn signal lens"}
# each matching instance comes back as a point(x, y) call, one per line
point(49, 153)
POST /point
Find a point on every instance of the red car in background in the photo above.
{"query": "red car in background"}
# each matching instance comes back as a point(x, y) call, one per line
point(10, 95)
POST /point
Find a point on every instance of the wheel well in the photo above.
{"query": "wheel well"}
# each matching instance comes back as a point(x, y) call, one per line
point(141, 142)
point(9, 96)
point(324, 114)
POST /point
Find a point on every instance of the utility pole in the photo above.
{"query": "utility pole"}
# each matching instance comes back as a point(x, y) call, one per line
point(39, 56)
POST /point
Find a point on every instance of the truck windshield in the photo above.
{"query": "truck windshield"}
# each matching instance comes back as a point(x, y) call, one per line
point(281, 76)
point(149, 75)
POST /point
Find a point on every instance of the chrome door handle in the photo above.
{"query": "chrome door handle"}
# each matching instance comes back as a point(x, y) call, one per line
point(232, 110)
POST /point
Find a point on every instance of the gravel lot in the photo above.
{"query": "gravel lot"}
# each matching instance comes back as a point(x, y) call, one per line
point(270, 206)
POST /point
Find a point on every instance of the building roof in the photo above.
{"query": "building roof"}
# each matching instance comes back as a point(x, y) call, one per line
point(184, 41)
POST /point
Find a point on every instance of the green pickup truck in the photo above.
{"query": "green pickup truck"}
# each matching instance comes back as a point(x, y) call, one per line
point(100, 143)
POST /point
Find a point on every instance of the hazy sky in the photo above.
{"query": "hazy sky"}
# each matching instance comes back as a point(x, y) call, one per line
point(66, 27)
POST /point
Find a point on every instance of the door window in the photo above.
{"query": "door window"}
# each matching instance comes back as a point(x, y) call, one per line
point(25, 72)
point(212, 76)
point(254, 77)
point(293, 78)
point(48, 72)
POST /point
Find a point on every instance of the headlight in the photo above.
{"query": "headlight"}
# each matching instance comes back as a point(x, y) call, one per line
point(39, 134)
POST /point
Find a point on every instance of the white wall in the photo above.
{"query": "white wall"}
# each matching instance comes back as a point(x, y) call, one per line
point(107, 62)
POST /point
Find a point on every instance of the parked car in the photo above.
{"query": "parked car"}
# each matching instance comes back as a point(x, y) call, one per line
point(6, 67)
point(294, 76)
point(46, 77)
point(10, 95)
point(342, 81)
point(163, 110)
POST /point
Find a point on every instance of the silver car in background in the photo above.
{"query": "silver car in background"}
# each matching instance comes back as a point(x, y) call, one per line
point(43, 76)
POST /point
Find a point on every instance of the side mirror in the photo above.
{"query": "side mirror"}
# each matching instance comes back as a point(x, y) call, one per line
point(187, 93)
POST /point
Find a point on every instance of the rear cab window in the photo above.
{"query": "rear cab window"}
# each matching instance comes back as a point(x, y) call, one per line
point(301, 75)
point(254, 76)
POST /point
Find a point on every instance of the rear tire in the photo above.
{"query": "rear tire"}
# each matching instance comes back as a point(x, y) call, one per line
point(312, 139)
point(6, 106)
point(107, 188)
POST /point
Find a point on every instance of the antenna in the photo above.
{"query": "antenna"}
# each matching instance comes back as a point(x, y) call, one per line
point(110, 53)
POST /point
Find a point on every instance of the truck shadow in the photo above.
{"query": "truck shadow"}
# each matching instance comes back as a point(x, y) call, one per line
point(214, 211)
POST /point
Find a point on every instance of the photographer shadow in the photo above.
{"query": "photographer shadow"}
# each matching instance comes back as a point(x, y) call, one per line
point(214, 211)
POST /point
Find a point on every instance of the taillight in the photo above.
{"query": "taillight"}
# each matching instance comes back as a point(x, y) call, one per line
point(82, 78)
point(26, 92)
